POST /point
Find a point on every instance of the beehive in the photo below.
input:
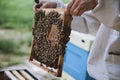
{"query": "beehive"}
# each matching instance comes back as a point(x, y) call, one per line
point(51, 32)
point(20, 74)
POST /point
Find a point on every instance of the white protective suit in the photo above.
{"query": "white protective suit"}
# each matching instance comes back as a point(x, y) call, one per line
point(104, 57)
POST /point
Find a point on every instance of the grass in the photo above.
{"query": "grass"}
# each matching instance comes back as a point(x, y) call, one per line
point(7, 46)
point(16, 14)
point(14, 47)
point(11, 59)
point(11, 47)
point(15, 42)
point(65, 1)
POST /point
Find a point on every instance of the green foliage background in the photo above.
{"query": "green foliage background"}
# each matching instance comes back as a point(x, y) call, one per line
point(17, 14)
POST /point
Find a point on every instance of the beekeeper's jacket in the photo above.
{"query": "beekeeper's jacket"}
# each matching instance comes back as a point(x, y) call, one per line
point(104, 58)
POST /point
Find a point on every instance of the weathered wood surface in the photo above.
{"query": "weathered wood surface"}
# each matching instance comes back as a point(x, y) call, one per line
point(10, 75)
point(18, 75)
point(38, 73)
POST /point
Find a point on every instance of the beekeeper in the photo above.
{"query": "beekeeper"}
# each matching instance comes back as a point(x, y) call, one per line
point(103, 17)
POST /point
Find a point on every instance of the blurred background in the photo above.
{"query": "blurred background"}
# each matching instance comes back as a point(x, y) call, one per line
point(16, 21)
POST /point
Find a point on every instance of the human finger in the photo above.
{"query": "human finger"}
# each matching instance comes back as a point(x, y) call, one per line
point(76, 10)
point(74, 6)
point(69, 6)
point(79, 9)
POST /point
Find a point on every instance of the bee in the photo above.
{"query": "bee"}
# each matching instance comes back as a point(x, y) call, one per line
point(46, 50)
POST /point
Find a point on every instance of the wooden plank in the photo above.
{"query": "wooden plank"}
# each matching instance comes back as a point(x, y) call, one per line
point(26, 75)
point(60, 65)
point(44, 68)
point(10, 75)
point(17, 74)
point(31, 50)
point(52, 9)
point(2, 76)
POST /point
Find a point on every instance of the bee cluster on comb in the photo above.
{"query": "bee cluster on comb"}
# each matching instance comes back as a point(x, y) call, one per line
point(50, 35)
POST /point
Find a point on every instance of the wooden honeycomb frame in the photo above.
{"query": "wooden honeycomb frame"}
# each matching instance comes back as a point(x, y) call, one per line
point(66, 29)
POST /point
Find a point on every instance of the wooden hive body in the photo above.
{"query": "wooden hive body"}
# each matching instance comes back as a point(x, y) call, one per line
point(17, 74)
point(51, 32)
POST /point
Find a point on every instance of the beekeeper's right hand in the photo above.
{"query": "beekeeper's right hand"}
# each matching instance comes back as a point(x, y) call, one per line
point(45, 4)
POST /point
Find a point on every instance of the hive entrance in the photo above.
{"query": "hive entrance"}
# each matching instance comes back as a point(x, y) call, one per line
point(50, 35)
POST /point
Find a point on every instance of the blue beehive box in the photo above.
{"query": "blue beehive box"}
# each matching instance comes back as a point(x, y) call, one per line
point(75, 59)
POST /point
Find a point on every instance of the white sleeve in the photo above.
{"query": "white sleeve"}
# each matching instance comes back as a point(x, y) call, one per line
point(86, 23)
point(108, 12)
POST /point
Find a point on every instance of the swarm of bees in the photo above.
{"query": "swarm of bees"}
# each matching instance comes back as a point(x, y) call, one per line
point(50, 36)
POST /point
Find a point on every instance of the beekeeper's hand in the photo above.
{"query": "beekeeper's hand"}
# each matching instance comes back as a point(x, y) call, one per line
point(78, 7)
point(45, 4)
